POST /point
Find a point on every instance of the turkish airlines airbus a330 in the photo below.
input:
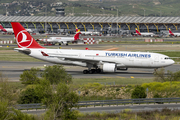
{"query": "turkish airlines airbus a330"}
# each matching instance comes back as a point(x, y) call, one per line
point(95, 60)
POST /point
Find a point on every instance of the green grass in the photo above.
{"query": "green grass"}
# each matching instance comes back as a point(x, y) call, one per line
point(9, 55)
point(172, 54)
point(112, 81)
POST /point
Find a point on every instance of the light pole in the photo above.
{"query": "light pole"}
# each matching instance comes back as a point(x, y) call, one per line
point(87, 12)
point(6, 10)
point(144, 12)
point(103, 11)
point(73, 11)
point(117, 21)
point(160, 13)
point(46, 19)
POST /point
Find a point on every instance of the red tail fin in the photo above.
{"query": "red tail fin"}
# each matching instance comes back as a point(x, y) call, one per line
point(138, 32)
point(76, 29)
point(170, 32)
point(2, 29)
point(23, 38)
point(76, 36)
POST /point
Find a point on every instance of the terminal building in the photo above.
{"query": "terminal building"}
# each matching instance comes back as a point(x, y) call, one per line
point(102, 24)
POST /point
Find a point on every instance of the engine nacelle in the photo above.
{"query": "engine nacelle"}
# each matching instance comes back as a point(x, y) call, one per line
point(64, 42)
point(109, 67)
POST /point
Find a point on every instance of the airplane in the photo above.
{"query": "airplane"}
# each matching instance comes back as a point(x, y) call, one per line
point(144, 33)
point(10, 30)
point(96, 61)
point(90, 33)
point(62, 40)
point(173, 34)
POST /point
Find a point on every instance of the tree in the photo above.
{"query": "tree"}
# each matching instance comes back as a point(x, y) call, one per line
point(56, 74)
point(30, 76)
point(138, 92)
point(37, 93)
point(18, 115)
point(9, 113)
point(7, 91)
point(160, 76)
point(44, 91)
point(5, 113)
point(62, 102)
point(29, 95)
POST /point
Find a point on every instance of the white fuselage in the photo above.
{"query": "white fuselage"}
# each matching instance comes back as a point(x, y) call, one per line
point(10, 30)
point(176, 34)
point(121, 59)
point(90, 33)
point(63, 40)
point(147, 34)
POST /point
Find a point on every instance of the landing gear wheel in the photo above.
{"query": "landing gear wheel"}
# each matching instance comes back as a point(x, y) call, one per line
point(92, 71)
point(59, 43)
point(67, 44)
point(85, 71)
point(98, 70)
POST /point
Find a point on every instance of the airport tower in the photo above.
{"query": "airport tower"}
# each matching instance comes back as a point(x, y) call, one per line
point(59, 9)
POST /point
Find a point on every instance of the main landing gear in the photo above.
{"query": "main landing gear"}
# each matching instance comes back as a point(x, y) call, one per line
point(92, 71)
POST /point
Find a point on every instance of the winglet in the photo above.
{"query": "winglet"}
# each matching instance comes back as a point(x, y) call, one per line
point(44, 54)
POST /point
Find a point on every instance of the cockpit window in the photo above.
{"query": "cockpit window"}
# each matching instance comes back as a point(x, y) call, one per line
point(166, 58)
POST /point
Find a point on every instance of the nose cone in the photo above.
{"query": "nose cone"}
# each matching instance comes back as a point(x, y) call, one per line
point(172, 62)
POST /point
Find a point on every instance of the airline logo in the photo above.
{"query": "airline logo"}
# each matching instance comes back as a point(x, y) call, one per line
point(170, 32)
point(24, 39)
point(138, 32)
point(2, 29)
point(129, 55)
point(76, 36)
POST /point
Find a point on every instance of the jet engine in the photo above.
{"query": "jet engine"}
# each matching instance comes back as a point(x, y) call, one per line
point(64, 42)
point(109, 67)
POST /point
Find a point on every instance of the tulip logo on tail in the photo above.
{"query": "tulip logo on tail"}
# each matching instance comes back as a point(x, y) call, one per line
point(170, 32)
point(23, 39)
point(138, 32)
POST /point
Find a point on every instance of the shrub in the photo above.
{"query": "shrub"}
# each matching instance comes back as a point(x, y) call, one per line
point(117, 89)
point(138, 92)
point(29, 96)
point(56, 74)
point(157, 96)
point(30, 76)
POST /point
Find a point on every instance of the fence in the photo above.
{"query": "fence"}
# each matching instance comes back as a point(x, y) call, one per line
point(30, 106)
point(128, 101)
point(107, 102)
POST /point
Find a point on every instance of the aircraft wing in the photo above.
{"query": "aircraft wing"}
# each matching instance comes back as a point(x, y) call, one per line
point(92, 60)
